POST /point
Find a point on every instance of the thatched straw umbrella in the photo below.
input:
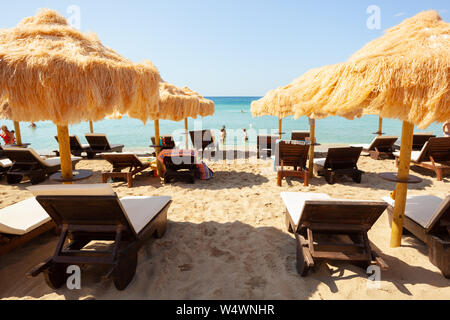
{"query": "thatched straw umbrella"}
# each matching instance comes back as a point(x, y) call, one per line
point(51, 71)
point(404, 75)
point(177, 104)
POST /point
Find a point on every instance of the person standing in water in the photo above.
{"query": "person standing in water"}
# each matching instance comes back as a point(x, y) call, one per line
point(223, 135)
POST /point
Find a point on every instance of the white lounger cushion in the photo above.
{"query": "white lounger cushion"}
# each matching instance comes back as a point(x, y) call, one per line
point(141, 210)
point(100, 189)
point(415, 155)
point(295, 202)
point(421, 209)
point(364, 146)
point(5, 163)
point(22, 217)
point(320, 161)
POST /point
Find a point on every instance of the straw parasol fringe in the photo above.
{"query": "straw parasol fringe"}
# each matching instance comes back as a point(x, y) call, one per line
point(51, 71)
point(180, 103)
point(405, 74)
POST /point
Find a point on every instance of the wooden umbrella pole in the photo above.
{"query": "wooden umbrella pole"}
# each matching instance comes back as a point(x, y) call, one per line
point(17, 133)
point(402, 188)
point(380, 126)
point(64, 153)
point(186, 133)
point(91, 126)
point(280, 127)
point(157, 149)
point(312, 137)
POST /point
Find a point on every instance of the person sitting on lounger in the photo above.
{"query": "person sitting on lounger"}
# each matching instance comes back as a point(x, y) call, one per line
point(7, 136)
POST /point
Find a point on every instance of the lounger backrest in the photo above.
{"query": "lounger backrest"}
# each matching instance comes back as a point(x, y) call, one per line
point(122, 160)
point(383, 143)
point(168, 141)
point(341, 214)
point(201, 139)
point(83, 205)
point(342, 158)
point(98, 141)
point(75, 143)
point(266, 142)
point(441, 218)
point(179, 162)
point(24, 156)
point(419, 139)
point(438, 148)
point(293, 153)
point(299, 135)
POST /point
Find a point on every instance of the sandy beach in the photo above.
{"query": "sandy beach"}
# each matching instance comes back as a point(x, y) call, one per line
point(226, 239)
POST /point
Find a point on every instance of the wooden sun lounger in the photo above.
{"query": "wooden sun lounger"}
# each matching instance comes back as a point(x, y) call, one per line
point(98, 143)
point(331, 229)
point(5, 164)
point(86, 213)
point(26, 162)
point(184, 168)
point(292, 154)
point(202, 140)
point(122, 161)
point(76, 147)
point(265, 145)
point(299, 135)
point(21, 223)
point(419, 140)
point(435, 155)
point(339, 161)
point(169, 143)
point(382, 147)
point(428, 218)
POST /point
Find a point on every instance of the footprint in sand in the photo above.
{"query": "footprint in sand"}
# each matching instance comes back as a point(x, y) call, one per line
point(185, 267)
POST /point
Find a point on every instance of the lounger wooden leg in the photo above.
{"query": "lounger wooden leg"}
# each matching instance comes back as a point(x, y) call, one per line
point(279, 178)
point(304, 258)
point(439, 174)
point(288, 223)
point(104, 177)
point(130, 180)
point(306, 178)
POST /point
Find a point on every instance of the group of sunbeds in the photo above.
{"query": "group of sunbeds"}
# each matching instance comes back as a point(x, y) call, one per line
point(324, 228)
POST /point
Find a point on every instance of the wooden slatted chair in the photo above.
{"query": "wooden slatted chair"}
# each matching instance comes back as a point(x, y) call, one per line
point(331, 229)
point(428, 218)
point(435, 155)
point(86, 213)
point(339, 161)
point(76, 147)
point(382, 147)
point(98, 143)
point(292, 154)
point(124, 161)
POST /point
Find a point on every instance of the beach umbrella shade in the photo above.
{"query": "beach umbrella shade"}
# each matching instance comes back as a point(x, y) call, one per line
point(405, 75)
point(51, 71)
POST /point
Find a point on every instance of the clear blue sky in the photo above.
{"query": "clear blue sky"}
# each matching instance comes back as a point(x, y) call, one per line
point(226, 48)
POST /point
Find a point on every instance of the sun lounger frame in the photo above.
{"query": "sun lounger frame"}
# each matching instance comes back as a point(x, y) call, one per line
point(122, 161)
point(435, 155)
point(108, 223)
point(208, 140)
point(300, 135)
point(347, 218)
point(185, 171)
point(169, 142)
point(76, 148)
point(265, 145)
point(437, 238)
point(99, 143)
point(26, 164)
point(382, 147)
point(341, 161)
point(293, 155)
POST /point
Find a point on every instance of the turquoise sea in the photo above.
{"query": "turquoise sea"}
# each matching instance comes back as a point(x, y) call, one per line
point(233, 112)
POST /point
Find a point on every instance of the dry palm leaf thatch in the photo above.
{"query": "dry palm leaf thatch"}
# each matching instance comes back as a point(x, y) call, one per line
point(51, 71)
point(179, 103)
point(404, 74)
